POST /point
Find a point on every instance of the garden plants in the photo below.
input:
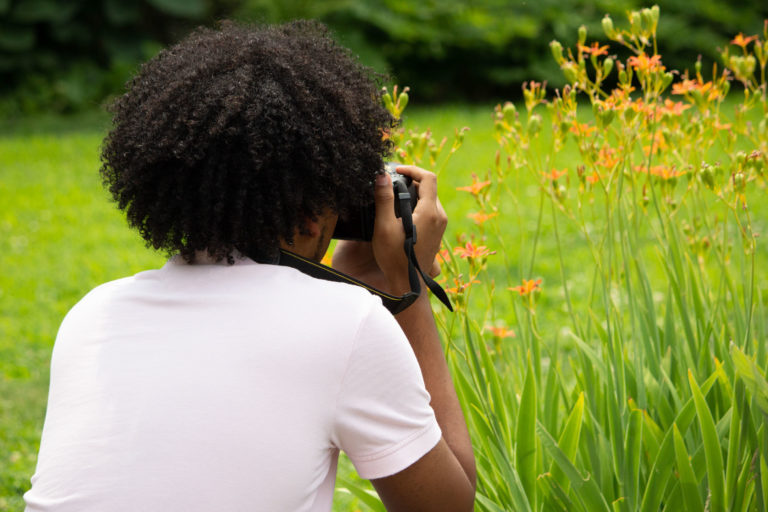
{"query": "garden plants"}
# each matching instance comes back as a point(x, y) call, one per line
point(609, 338)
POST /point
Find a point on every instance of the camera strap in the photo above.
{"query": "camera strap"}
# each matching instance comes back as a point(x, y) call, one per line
point(393, 303)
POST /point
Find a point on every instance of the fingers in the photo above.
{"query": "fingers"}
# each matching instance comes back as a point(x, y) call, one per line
point(427, 183)
point(384, 198)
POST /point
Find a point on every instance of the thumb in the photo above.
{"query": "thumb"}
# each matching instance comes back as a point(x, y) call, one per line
point(384, 198)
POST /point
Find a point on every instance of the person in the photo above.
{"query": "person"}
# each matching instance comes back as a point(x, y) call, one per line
point(223, 381)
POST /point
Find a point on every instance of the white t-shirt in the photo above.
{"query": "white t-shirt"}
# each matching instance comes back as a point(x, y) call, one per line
point(217, 387)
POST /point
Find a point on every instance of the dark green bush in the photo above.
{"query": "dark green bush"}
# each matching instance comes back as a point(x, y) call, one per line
point(64, 55)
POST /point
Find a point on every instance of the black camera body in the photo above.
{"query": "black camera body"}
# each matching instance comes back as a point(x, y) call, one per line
point(358, 225)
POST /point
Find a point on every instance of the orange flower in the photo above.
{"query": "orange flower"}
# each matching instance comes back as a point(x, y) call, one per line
point(471, 251)
point(501, 332)
point(595, 49)
point(606, 158)
point(475, 187)
point(662, 171)
point(443, 256)
point(742, 41)
point(554, 174)
point(481, 217)
point(674, 108)
point(460, 287)
point(582, 129)
point(593, 178)
point(646, 64)
point(722, 126)
point(528, 286)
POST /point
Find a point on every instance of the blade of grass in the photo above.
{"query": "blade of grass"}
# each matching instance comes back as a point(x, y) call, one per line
point(525, 448)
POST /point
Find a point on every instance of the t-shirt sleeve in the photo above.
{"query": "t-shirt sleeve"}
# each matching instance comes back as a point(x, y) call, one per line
point(383, 420)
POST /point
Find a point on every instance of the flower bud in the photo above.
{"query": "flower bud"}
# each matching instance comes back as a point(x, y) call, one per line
point(607, 66)
point(557, 50)
point(697, 66)
point(645, 14)
point(636, 22)
point(725, 88)
point(570, 70)
point(509, 111)
point(608, 27)
point(666, 79)
point(623, 76)
point(388, 104)
point(749, 65)
point(402, 101)
point(739, 181)
point(534, 124)
point(582, 34)
point(707, 177)
point(655, 15)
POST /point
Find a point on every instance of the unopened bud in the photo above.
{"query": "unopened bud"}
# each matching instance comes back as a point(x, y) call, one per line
point(402, 101)
point(707, 177)
point(655, 16)
point(388, 104)
point(608, 27)
point(636, 22)
point(582, 34)
point(571, 72)
point(645, 14)
point(697, 66)
point(557, 51)
point(623, 76)
point(509, 112)
point(607, 66)
point(534, 124)
point(666, 79)
point(749, 65)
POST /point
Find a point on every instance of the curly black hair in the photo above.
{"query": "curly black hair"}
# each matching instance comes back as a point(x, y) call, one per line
point(233, 137)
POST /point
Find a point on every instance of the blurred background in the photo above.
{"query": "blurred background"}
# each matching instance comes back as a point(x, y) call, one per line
point(63, 56)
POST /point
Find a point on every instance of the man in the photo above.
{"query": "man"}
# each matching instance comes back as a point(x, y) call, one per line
point(223, 381)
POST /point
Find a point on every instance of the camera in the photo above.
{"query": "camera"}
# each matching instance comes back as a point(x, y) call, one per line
point(358, 224)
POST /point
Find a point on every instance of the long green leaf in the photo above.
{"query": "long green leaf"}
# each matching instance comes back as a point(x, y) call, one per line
point(688, 484)
point(585, 488)
point(569, 440)
point(713, 454)
point(525, 447)
point(362, 494)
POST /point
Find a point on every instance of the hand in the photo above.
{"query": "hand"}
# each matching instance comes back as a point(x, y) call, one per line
point(383, 263)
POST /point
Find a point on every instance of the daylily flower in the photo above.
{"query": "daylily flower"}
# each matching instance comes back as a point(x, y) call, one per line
point(582, 129)
point(554, 174)
point(501, 332)
point(528, 286)
point(674, 108)
point(742, 41)
point(460, 286)
point(595, 49)
point(662, 171)
point(476, 187)
point(481, 217)
point(470, 251)
point(646, 64)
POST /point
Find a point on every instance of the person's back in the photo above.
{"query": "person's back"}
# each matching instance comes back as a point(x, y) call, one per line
point(217, 387)
point(224, 381)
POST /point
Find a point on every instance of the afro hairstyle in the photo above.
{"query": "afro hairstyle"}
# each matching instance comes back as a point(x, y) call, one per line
point(232, 138)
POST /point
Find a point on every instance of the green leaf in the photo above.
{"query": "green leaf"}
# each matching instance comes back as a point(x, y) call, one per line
point(120, 12)
point(182, 8)
point(633, 445)
point(689, 485)
point(585, 488)
point(15, 38)
point(569, 440)
point(752, 376)
point(33, 11)
point(525, 446)
point(712, 452)
point(362, 494)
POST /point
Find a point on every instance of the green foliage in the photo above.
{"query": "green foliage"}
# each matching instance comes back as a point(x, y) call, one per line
point(66, 55)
